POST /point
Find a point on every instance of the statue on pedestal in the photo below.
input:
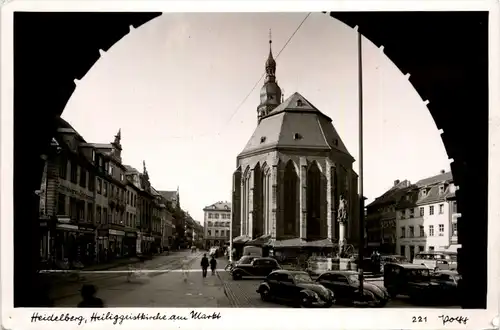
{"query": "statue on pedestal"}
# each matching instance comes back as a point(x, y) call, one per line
point(342, 211)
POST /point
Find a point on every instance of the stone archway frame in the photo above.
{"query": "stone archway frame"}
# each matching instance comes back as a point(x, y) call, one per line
point(444, 108)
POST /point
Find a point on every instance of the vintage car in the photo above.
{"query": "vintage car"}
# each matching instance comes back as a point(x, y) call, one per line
point(245, 260)
point(407, 279)
point(296, 287)
point(446, 290)
point(345, 285)
point(259, 267)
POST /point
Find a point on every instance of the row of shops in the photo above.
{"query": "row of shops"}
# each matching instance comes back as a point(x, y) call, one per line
point(62, 240)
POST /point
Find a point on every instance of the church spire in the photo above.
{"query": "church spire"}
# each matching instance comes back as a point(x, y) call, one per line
point(270, 93)
point(270, 63)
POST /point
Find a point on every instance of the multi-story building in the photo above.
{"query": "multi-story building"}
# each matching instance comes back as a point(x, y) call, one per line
point(381, 233)
point(167, 225)
point(130, 240)
point(112, 184)
point(67, 206)
point(425, 218)
point(144, 208)
point(157, 221)
point(217, 224)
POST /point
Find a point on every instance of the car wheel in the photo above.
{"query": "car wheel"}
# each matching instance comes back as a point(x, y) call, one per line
point(304, 302)
point(236, 276)
point(264, 294)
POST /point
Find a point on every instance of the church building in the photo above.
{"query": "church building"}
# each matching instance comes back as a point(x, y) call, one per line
point(293, 172)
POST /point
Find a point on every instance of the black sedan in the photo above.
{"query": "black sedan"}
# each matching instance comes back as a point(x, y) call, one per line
point(296, 287)
point(345, 285)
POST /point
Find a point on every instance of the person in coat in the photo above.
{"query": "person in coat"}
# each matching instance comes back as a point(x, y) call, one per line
point(204, 265)
point(213, 265)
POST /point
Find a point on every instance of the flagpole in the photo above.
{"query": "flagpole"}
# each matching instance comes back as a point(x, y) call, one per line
point(360, 178)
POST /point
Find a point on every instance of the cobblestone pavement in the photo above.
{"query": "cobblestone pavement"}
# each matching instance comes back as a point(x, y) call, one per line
point(63, 291)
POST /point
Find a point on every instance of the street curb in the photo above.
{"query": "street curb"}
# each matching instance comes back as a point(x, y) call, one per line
point(233, 301)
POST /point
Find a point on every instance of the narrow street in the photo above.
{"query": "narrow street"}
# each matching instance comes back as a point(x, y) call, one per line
point(149, 289)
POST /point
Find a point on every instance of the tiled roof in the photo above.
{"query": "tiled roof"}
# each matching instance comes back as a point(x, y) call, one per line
point(131, 169)
point(392, 195)
point(433, 195)
point(218, 206)
point(296, 115)
point(442, 177)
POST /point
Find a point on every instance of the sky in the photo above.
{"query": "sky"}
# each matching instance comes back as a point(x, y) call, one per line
point(176, 85)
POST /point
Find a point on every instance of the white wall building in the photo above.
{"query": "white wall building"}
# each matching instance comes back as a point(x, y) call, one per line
point(217, 224)
point(425, 217)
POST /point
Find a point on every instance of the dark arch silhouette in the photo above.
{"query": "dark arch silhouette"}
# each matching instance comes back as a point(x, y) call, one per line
point(445, 53)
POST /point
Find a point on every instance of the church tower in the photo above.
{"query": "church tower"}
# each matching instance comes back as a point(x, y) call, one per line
point(270, 93)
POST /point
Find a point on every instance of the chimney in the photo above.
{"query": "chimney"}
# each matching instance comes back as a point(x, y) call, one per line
point(396, 182)
point(442, 171)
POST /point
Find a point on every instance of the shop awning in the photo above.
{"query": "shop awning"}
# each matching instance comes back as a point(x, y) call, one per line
point(241, 239)
point(291, 243)
point(260, 241)
point(323, 243)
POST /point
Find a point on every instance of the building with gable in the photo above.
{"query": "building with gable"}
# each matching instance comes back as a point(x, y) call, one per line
point(292, 172)
point(427, 217)
point(217, 224)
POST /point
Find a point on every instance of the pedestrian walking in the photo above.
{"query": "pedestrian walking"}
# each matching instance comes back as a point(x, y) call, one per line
point(204, 265)
point(213, 265)
point(88, 292)
point(185, 269)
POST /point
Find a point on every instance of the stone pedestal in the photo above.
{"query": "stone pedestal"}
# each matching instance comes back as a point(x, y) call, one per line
point(341, 236)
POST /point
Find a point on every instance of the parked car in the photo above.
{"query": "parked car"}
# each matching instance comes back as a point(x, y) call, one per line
point(243, 261)
point(258, 267)
point(407, 279)
point(447, 289)
point(296, 287)
point(345, 286)
point(436, 260)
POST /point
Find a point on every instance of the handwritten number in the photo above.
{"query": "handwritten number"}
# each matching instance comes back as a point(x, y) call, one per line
point(419, 319)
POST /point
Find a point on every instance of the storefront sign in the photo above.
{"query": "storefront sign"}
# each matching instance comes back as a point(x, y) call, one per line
point(85, 229)
point(116, 232)
point(131, 234)
point(80, 193)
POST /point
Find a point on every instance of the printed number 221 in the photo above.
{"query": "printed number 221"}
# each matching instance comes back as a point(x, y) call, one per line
point(419, 319)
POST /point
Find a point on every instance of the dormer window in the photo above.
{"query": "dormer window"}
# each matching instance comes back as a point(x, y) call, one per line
point(262, 139)
point(299, 103)
point(336, 142)
point(441, 189)
point(297, 136)
point(423, 193)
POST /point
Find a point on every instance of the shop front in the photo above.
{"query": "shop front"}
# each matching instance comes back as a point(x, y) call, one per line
point(102, 245)
point(47, 233)
point(156, 246)
point(65, 242)
point(116, 243)
point(129, 244)
point(86, 245)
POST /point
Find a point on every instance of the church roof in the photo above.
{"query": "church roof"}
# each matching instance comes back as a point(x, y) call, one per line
point(295, 123)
